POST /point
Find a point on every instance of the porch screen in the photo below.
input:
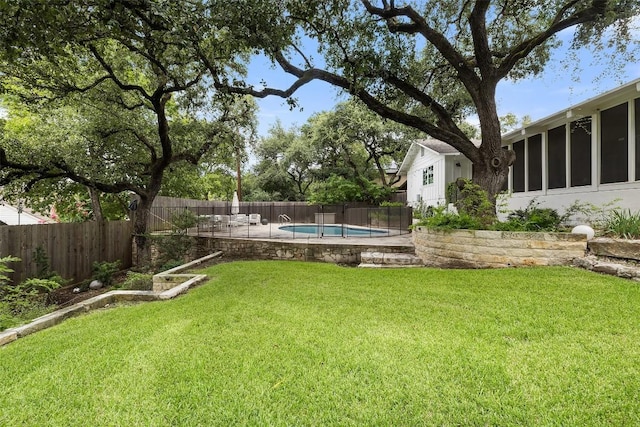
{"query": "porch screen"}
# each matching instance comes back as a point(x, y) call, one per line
point(581, 152)
point(637, 118)
point(557, 157)
point(534, 160)
point(518, 167)
point(614, 144)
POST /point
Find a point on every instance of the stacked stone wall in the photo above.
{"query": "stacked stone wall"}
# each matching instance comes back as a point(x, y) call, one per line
point(301, 251)
point(495, 249)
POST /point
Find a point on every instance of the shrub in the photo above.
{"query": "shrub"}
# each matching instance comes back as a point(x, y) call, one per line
point(4, 270)
point(137, 281)
point(532, 218)
point(452, 192)
point(24, 301)
point(183, 220)
point(474, 202)
point(175, 247)
point(28, 296)
point(440, 218)
point(623, 223)
point(104, 271)
point(43, 268)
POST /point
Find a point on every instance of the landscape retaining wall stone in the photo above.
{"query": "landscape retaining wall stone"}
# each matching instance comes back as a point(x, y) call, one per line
point(615, 248)
point(495, 249)
point(286, 250)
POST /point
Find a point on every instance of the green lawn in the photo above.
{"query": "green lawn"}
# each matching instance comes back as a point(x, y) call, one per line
point(286, 343)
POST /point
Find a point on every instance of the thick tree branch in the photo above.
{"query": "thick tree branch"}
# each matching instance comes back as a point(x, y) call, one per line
point(596, 8)
point(478, 25)
point(419, 25)
point(454, 138)
point(114, 78)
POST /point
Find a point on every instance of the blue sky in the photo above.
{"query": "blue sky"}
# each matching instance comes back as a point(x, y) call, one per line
point(557, 88)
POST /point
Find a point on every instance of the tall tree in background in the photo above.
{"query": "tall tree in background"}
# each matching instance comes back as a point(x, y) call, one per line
point(285, 167)
point(428, 64)
point(141, 67)
point(360, 143)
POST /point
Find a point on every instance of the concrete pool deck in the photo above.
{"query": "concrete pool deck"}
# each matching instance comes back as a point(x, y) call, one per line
point(268, 242)
point(273, 232)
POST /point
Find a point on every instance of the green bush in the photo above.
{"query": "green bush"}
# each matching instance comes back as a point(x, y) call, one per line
point(24, 301)
point(137, 281)
point(5, 269)
point(28, 296)
point(474, 202)
point(623, 223)
point(104, 271)
point(532, 218)
point(183, 220)
point(452, 192)
point(440, 218)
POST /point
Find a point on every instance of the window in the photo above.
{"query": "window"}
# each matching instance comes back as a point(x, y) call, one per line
point(427, 175)
point(637, 119)
point(581, 152)
point(534, 162)
point(518, 167)
point(614, 153)
point(557, 157)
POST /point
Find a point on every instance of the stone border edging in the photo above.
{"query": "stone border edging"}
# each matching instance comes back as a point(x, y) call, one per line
point(592, 263)
point(165, 278)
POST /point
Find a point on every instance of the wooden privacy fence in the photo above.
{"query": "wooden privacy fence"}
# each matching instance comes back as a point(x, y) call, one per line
point(71, 248)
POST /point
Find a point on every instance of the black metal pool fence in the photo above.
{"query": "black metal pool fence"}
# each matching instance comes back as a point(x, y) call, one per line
point(287, 220)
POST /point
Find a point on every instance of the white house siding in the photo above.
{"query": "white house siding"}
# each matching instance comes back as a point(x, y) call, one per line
point(614, 146)
point(445, 171)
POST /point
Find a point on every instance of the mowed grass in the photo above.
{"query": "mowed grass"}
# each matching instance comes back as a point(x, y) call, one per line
point(287, 343)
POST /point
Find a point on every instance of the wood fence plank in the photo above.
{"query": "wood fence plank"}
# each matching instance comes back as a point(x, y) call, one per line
point(71, 248)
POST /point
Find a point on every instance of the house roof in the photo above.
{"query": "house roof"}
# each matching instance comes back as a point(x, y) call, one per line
point(10, 215)
point(434, 145)
point(584, 109)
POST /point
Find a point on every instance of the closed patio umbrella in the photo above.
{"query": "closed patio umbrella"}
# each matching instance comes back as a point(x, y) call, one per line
point(235, 204)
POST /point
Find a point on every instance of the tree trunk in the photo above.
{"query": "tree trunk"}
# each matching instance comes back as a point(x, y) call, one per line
point(95, 205)
point(491, 169)
point(239, 174)
point(493, 172)
point(140, 236)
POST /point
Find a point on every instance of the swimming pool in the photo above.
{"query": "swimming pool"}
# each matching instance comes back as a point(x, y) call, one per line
point(332, 230)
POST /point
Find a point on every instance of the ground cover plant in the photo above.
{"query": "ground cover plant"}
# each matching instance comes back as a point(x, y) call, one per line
point(288, 343)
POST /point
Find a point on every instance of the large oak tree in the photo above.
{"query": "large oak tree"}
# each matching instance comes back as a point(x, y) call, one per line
point(429, 64)
point(133, 73)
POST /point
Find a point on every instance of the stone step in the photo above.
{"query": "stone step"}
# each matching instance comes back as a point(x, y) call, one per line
point(383, 259)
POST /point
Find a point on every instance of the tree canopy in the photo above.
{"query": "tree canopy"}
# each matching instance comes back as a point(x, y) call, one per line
point(119, 92)
point(428, 64)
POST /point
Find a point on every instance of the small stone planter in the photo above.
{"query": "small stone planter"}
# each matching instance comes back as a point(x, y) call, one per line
point(496, 249)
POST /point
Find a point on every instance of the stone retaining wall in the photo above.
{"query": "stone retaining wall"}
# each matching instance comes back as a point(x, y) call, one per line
point(494, 249)
point(615, 248)
point(283, 250)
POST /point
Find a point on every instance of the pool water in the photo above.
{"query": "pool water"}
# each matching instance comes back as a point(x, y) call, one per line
point(332, 230)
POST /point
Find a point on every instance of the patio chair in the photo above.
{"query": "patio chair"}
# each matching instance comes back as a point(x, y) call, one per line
point(228, 221)
point(254, 219)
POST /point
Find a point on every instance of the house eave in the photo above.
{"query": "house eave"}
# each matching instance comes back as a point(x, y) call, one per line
point(584, 109)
